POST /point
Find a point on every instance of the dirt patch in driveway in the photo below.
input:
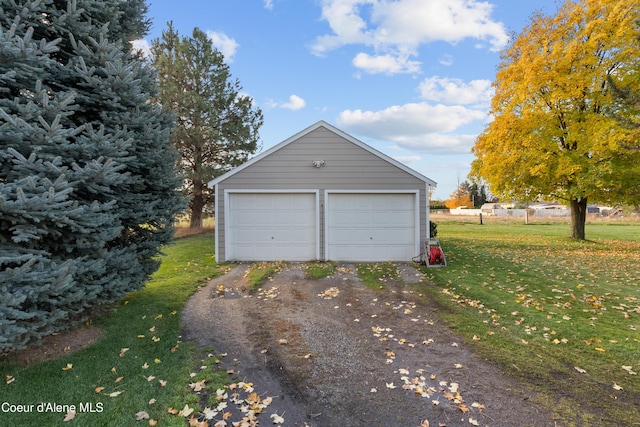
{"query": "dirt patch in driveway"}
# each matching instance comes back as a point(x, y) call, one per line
point(332, 352)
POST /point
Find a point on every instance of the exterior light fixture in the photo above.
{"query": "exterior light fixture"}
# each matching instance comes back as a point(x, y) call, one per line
point(318, 163)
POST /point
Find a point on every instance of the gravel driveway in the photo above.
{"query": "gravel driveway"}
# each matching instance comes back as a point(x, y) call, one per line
point(332, 352)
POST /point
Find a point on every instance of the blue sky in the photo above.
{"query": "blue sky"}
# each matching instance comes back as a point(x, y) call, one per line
point(411, 78)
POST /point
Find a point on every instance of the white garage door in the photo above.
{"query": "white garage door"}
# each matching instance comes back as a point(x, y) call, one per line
point(272, 227)
point(371, 227)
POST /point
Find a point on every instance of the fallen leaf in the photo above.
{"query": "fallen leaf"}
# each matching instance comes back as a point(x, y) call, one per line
point(391, 386)
point(162, 383)
point(123, 351)
point(152, 422)
point(99, 389)
point(463, 408)
point(473, 422)
point(156, 360)
point(209, 413)
point(197, 386)
point(277, 419)
point(118, 379)
point(186, 411)
point(69, 416)
point(582, 371)
point(424, 423)
point(115, 393)
point(477, 405)
point(142, 415)
point(145, 366)
point(152, 401)
point(282, 341)
point(253, 399)
point(9, 379)
point(600, 349)
point(172, 411)
point(68, 367)
point(448, 395)
point(617, 387)
point(629, 369)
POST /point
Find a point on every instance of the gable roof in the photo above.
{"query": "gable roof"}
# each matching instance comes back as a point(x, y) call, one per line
point(335, 130)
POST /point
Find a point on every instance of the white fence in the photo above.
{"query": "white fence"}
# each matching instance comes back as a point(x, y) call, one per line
point(512, 212)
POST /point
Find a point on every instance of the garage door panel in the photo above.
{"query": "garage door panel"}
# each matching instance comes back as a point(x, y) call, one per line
point(371, 226)
point(371, 236)
point(373, 254)
point(272, 226)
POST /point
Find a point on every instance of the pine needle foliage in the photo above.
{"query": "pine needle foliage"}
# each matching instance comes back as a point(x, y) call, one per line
point(87, 172)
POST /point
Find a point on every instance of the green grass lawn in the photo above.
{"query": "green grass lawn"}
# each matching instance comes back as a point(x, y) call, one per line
point(560, 314)
point(563, 315)
point(138, 364)
point(260, 272)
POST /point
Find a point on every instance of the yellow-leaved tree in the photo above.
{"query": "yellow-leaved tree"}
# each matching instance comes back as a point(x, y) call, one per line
point(555, 132)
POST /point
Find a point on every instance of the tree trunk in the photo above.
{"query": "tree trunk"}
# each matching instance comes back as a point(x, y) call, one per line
point(578, 218)
point(197, 203)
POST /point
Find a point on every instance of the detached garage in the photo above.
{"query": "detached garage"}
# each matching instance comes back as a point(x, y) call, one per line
point(321, 195)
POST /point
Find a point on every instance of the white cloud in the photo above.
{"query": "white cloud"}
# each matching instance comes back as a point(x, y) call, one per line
point(143, 46)
point(456, 91)
point(399, 27)
point(439, 143)
point(387, 64)
point(295, 103)
point(413, 22)
point(225, 44)
point(268, 4)
point(414, 118)
point(416, 126)
point(446, 60)
point(347, 25)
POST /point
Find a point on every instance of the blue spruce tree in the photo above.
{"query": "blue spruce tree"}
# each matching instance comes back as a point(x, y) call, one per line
point(88, 182)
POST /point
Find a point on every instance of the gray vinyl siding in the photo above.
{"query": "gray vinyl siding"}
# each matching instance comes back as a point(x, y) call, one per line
point(347, 167)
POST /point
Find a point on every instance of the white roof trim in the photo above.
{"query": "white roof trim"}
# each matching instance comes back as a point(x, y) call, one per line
point(311, 128)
